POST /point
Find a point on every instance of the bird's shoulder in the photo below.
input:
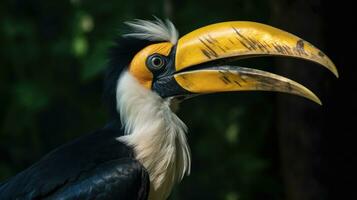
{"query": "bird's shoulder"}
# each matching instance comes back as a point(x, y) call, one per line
point(97, 164)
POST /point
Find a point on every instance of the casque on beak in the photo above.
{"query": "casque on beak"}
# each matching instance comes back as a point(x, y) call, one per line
point(198, 58)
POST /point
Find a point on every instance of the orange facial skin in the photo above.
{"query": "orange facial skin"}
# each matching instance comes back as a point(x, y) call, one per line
point(138, 66)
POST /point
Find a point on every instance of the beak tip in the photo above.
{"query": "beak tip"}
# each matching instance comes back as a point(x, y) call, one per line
point(311, 96)
point(332, 67)
point(320, 103)
point(337, 75)
point(317, 100)
point(335, 72)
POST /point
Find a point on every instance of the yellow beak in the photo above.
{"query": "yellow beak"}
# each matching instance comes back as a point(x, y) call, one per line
point(199, 52)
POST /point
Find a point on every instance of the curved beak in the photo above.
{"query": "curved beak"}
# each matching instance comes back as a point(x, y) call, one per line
point(199, 55)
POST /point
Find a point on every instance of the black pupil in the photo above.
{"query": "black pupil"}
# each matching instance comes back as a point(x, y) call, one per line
point(157, 62)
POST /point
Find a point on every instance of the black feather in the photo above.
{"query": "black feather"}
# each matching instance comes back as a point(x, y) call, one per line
point(96, 166)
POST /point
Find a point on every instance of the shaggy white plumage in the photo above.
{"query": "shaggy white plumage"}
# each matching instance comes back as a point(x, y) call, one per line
point(155, 132)
point(156, 30)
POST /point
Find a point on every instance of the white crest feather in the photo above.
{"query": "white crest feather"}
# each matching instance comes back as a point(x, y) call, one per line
point(156, 30)
point(156, 134)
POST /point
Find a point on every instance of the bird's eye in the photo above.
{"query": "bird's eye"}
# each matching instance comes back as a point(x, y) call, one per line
point(156, 62)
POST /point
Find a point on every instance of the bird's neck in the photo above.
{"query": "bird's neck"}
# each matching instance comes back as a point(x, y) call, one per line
point(156, 134)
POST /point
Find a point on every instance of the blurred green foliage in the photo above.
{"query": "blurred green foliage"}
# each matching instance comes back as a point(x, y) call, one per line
point(52, 58)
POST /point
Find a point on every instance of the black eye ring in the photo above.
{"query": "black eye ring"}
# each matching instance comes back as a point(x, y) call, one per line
point(156, 62)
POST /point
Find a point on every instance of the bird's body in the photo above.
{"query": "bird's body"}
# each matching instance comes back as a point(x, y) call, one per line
point(151, 144)
point(144, 152)
point(95, 166)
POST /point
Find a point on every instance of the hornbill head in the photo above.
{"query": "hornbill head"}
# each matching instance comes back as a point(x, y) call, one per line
point(195, 63)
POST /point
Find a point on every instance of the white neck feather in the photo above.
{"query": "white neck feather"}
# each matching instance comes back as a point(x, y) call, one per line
point(156, 134)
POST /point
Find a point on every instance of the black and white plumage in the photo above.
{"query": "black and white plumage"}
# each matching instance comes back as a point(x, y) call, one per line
point(155, 132)
point(96, 166)
point(113, 162)
point(145, 154)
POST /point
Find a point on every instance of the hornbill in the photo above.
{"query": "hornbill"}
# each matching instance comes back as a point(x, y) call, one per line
point(144, 152)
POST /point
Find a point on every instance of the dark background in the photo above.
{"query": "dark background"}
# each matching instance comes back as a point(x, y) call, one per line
point(250, 145)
